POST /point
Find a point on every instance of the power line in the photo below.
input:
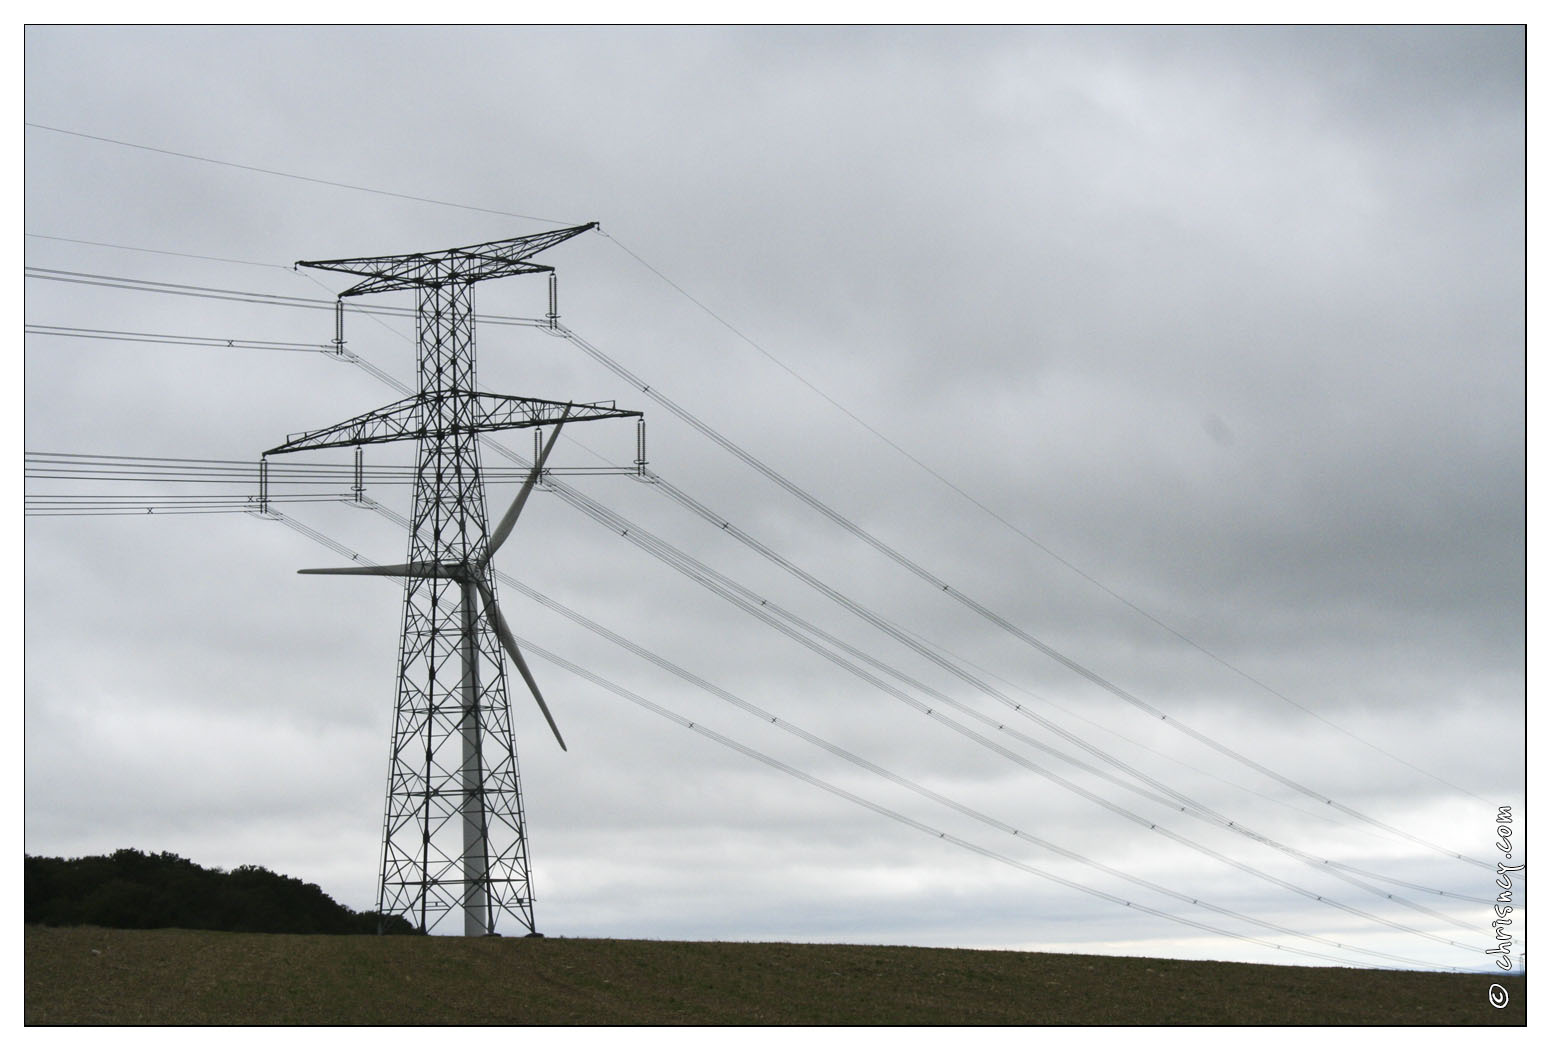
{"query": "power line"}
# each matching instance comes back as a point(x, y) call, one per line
point(203, 292)
point(223, 471)
point(895, 815)
point(48, 507)
point(945, 588)
point(291, 175)
point(687, 501)
point(683, 498)
point(751, 461)
point(142, 503)
point(812, 501)
point(638, 535)
point(904, 782)
point(118, 468)
point(135, 284)
point(1023, 533)
point(1030, 538)
point(158, 251)
point(117, 335)
point(764, 611)
point(971, 812)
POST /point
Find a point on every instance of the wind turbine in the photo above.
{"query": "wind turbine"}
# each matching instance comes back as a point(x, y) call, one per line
point(470, 575)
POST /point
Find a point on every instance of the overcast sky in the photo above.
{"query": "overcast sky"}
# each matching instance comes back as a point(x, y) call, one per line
point(1231, 321)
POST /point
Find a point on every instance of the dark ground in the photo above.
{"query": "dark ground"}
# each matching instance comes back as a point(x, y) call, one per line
point(78, 975)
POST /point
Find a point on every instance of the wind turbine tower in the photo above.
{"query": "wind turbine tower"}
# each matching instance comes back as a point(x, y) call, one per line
point(454, 836)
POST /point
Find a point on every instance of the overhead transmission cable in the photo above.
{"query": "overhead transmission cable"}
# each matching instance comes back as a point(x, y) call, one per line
point(644, 388)
point(119, 335)
point(248, 504)
point(56, 507)
point(629, 531)
point(964, 599)
point(1391, 897)
point(188, 471)
point(828, 512)
point(223, 471)
point(156, 251)
point(816, 390)
point(53, 466)
point(763, 611)
point(895, 815)
point(290, 175)
point(874, 662)
point(766, 611)
point(764, 716)
point(1019, 531)
point(135, 284)
point(749, 459)
point(714, 518)
point(679, 560)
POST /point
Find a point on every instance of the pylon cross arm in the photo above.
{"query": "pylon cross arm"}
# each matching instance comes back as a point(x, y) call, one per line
point(499, 412)
point(415, 417)
point(465, 265)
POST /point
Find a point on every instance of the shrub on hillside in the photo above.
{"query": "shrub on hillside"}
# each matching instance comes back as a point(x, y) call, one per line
point(132, 889)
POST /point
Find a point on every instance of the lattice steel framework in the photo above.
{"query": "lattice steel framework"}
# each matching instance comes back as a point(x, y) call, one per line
point(454, 834)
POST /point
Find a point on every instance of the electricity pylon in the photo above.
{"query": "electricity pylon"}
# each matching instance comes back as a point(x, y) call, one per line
point(454, 835)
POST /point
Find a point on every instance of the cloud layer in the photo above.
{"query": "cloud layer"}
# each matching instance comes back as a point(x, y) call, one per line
point(1230, 321)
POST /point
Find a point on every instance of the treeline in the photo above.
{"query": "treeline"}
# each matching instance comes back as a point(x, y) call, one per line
point(136, 890)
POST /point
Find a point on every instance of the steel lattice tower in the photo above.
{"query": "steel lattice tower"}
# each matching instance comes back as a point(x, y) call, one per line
point(454, 835)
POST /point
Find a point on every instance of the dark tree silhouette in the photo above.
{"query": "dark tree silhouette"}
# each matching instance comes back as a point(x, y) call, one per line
point(133, 889)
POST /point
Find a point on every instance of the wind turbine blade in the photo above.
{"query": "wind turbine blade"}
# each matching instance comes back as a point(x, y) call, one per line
point(510, 642)
point(408, 569)
point(503, 530)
